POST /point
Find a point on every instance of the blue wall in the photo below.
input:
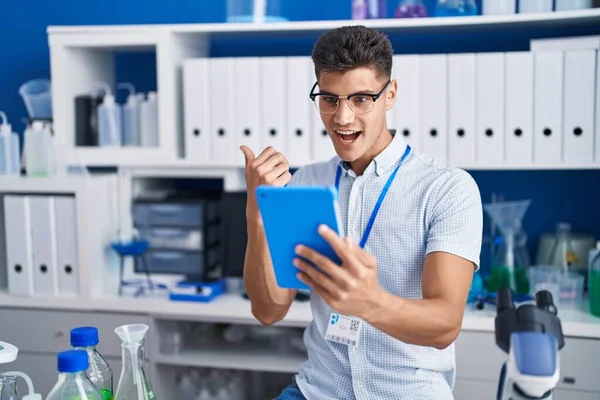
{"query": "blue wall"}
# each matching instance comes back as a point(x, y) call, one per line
point(556, 195)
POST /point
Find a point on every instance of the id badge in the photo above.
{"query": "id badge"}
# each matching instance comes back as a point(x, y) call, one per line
point(344, 329)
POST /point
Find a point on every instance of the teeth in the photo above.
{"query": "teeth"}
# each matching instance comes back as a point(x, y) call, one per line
point(346, 132)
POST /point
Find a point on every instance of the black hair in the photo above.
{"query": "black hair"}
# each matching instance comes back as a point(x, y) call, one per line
point(349, 47)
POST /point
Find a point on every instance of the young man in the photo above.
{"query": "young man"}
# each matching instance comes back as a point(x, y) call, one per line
point(414, 229)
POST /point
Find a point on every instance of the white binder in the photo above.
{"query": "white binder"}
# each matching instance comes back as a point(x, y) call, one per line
point(407, 110)
point(578, 106)
point(547, 107)
point(461, 109)
point(273, 102)
point(247, 103)
point(518, 131)
point(196, 106)
point(19, 253)
point(434, 105)
point(223, 112)
point(43, 235)
point(490, 108)
point(300, 78)
point(322, 146)
point(66, 245)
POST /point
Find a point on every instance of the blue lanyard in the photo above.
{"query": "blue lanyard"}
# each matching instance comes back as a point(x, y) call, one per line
point(338, 175)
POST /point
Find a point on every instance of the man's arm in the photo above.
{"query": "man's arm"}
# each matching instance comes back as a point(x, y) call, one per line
point(270, 303)
point(436, 319)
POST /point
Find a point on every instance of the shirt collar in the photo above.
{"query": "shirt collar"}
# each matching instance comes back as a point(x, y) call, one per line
point(387, 158)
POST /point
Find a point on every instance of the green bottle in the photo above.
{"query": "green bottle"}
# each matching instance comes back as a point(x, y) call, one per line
point(99, 372)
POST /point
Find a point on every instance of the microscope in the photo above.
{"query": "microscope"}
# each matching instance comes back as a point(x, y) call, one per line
point(532, 336)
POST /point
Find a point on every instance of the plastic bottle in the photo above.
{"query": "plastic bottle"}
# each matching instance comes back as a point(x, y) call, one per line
point(594, 280)
point(131, 116)
point(359, 9)
point(73, 383)
point(10, 158)
point(86, 338)
point(149, 121)
point(410, 9)
point(110, 115)
point(39, 150)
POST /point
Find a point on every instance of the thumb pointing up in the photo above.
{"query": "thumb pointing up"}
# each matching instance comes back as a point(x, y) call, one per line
point(248, 154)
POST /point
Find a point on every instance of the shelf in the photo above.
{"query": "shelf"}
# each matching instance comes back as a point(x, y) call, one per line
point(232, 308)
point(555, 19)
point(227, 356)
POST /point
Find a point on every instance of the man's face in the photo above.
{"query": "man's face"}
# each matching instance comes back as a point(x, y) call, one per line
point(357, 135)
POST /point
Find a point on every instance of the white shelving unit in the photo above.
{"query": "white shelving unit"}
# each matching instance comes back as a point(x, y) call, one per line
point(81, 55)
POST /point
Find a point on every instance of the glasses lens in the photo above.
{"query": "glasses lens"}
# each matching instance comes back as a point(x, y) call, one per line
point(361, 104)
point(326, 104)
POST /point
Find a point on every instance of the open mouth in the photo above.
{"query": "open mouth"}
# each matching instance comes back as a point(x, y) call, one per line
point(347, 137)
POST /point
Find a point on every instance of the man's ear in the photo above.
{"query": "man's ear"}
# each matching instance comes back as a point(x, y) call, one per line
point(390, 94)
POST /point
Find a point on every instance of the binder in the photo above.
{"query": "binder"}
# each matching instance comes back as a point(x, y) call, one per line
point(247, 104)
point(518, 131)
point(196, 106)
point(407, 110)
point(322, 146)
point(273, 96)
point(223, 112)
point(68, 267)
point(19, 253)
point(490, 108)
point(578, 106)
point(434, 105)
point(547, 107)
point(43, 241)
point(461, 109)
point(300, 75)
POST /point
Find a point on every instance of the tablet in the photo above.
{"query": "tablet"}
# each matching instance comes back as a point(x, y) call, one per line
point(291, 216)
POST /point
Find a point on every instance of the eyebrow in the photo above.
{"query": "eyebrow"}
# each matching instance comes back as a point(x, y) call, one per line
point(366, 91)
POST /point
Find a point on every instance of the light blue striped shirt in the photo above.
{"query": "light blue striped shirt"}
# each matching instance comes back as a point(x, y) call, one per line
point(429, 207)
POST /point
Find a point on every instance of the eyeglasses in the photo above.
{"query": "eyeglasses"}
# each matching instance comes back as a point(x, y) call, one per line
point(360, 103)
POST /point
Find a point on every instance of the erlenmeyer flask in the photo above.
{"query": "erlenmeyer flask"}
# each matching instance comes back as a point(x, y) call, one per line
point(133, 383)
point(563, 255)
point(8, 388)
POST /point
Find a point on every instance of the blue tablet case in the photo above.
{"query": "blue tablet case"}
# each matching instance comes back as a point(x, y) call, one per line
point(291, 216)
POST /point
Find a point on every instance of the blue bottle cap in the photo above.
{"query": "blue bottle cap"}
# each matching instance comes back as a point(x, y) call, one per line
point(84, 336)
point(73, 361)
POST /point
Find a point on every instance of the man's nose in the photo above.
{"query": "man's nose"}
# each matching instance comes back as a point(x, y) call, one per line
point(344, 114)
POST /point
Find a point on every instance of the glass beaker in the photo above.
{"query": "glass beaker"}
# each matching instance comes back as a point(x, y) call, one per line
point(562, 254)
point(133, 383)
point(8, 388)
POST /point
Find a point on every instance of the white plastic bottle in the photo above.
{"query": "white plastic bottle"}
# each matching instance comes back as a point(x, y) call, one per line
point(131, 116)
point(38, 150)
point(110, 115)
point(149, 121)
point(10, 157)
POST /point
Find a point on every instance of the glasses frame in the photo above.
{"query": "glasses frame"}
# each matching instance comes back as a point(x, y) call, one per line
point(313, 96)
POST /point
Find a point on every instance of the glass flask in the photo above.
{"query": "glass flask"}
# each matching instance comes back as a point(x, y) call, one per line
point(509, 264)
point(133, 383)
point(562, 254)
point(8, 388)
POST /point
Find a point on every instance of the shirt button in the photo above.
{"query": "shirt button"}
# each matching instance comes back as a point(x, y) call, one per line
point(360, 383)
